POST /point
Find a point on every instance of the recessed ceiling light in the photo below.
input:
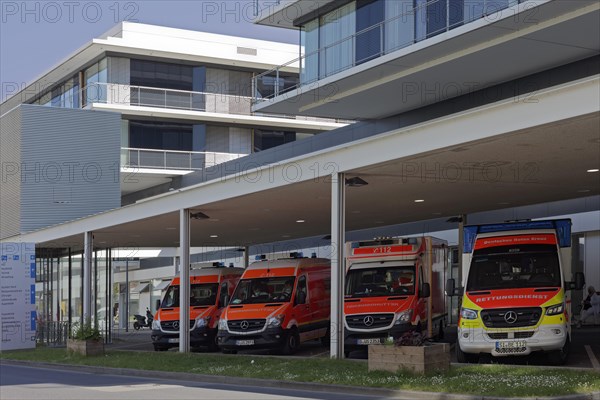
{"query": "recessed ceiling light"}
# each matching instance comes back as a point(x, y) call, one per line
point(593, 170)
point(419, 201)
point(214, 220)
point(170, 228)
point(355, 212)
point(583, 191)
point(286, 236)
point(214, 236)
point(300, 221)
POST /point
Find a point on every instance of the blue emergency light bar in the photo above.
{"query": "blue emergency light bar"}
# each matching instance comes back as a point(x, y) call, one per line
point(561, 226)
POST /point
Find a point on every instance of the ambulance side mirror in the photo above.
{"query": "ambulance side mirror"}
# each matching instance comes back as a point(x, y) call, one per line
point(225, 301)
point(450, 287)
point(425, 291)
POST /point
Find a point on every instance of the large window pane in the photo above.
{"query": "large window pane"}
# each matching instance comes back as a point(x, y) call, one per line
point(160, 135)
point(400, 28)
point(336, 41)
point(163, 75)
point(310, 68)
point(369, 13)
point(264, 139)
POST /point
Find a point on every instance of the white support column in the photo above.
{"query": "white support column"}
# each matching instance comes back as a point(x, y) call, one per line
point(338, 239)
point(246, 256)
point(88, 244)
point(461, 242)
point(184, 282)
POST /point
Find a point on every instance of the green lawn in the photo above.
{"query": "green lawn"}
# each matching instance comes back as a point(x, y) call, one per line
point(483, 380)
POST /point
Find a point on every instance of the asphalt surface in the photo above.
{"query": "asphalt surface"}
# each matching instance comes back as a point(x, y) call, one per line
point(25, 383)
point(585, 348)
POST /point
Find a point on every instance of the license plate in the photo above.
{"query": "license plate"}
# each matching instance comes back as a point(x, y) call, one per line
point(516, 344)
point(370, 341)
point(175, 340)
point(244, 342)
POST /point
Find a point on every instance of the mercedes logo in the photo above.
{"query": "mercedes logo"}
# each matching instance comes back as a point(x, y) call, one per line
point(176, 324)
point(510, 317)
point(368, 320)
point(245, 325)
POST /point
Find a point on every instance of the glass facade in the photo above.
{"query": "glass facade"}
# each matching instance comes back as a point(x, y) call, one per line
point(264, 139)
point(160, 135)
point(95, 78)
point(65, 95)
point(362, 30)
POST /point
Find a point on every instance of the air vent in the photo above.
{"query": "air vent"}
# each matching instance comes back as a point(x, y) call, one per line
point(247, 51)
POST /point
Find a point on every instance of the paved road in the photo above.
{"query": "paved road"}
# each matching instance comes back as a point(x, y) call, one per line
point(580, 355)
point(29, 383)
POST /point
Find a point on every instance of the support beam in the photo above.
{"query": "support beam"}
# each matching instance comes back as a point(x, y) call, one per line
point(461, 226)
point(88, 245)
point(184, 281)
point(338, 239)
point(246, 256)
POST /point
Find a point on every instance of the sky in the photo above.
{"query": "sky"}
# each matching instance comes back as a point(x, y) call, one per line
point(36, 35)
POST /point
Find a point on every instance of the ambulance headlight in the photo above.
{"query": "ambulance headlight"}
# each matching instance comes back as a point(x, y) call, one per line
point(156, 324)
point(274, 322)
point(404, 317)
point(201, 322)
point(555, 309)
point(467, 313)
point(222, 324)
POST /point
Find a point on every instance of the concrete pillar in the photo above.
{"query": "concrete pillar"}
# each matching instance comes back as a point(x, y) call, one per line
point(184, 285)
point(88, 244)
point(338, 239)
point(246, 256)
point(461, 242)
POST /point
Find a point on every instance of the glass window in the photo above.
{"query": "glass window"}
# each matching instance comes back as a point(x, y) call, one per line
point(336, 42)
point(519, 266)
point(264, 139)
point(162, 75)
point(400, 25)
point(263, 290)
point(388, 281)
point(95, 79)
point(160, 135)
point(369, 37)
point(310, 38)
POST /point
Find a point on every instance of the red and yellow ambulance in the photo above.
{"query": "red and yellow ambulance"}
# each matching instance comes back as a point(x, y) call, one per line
point(394, 286)
point(516, 298)
point(278, 304)
point(209, 289)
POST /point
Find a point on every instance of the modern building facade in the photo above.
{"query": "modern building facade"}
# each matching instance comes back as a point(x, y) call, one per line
point(492, 114)
point(127, 117)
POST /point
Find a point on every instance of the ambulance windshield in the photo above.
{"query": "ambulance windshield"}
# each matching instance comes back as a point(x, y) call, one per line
point(263, 290)
point(201, 294)
point(519, 266)
point(378, 281)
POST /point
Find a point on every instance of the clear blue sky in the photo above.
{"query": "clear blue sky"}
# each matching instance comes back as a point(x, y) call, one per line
point(36, 35)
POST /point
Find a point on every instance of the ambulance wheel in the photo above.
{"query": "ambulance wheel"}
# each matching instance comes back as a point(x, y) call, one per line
point(326, 340)
point(213, 346)
point(160, 348)
point(228, 351)
point(292, 342)
point(561, 356)
point(347, 354)
point(465, 358)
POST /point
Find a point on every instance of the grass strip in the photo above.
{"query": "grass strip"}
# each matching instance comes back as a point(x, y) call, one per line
point(495, 380)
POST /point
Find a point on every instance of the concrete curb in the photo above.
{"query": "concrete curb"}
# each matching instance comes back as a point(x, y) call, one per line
point(274, 384)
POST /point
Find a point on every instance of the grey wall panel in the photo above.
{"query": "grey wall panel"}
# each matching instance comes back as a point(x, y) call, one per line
point(10, 180)
point(70, 164)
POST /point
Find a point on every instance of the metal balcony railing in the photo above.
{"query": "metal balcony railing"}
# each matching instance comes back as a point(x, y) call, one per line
point(144, 96)
point(410, 26)
point(172, 159)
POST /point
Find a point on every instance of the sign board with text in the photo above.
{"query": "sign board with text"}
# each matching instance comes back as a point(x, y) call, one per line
point(17, 296)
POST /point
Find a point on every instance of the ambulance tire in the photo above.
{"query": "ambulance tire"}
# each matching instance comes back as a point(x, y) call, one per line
point(213, 346)
point(561, 356)
point(160, 348)
point(465, 358)
point(326, 340)
point(347, 354)
point(292, 342)
point(228, 351)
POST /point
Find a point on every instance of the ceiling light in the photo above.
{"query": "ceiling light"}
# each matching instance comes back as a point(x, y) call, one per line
point(286, 236)
point(593, 170)
point(419, 201)
point(356, 182)
point(170, 228)
point(199, 215)
point(583, 191)
point(214, 236)
point(300, 221)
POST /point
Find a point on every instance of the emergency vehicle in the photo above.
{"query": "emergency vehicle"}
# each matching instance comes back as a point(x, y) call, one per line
point(516, 300)
point(278, 304)
point(209, 288)
point(394, 286)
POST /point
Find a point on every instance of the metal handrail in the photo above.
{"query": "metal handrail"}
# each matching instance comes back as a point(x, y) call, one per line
point(203, 159)
point(352, 38)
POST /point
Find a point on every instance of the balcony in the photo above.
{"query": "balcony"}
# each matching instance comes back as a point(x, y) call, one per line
point(143, 96)
point(431, 53)
point(172, 160)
